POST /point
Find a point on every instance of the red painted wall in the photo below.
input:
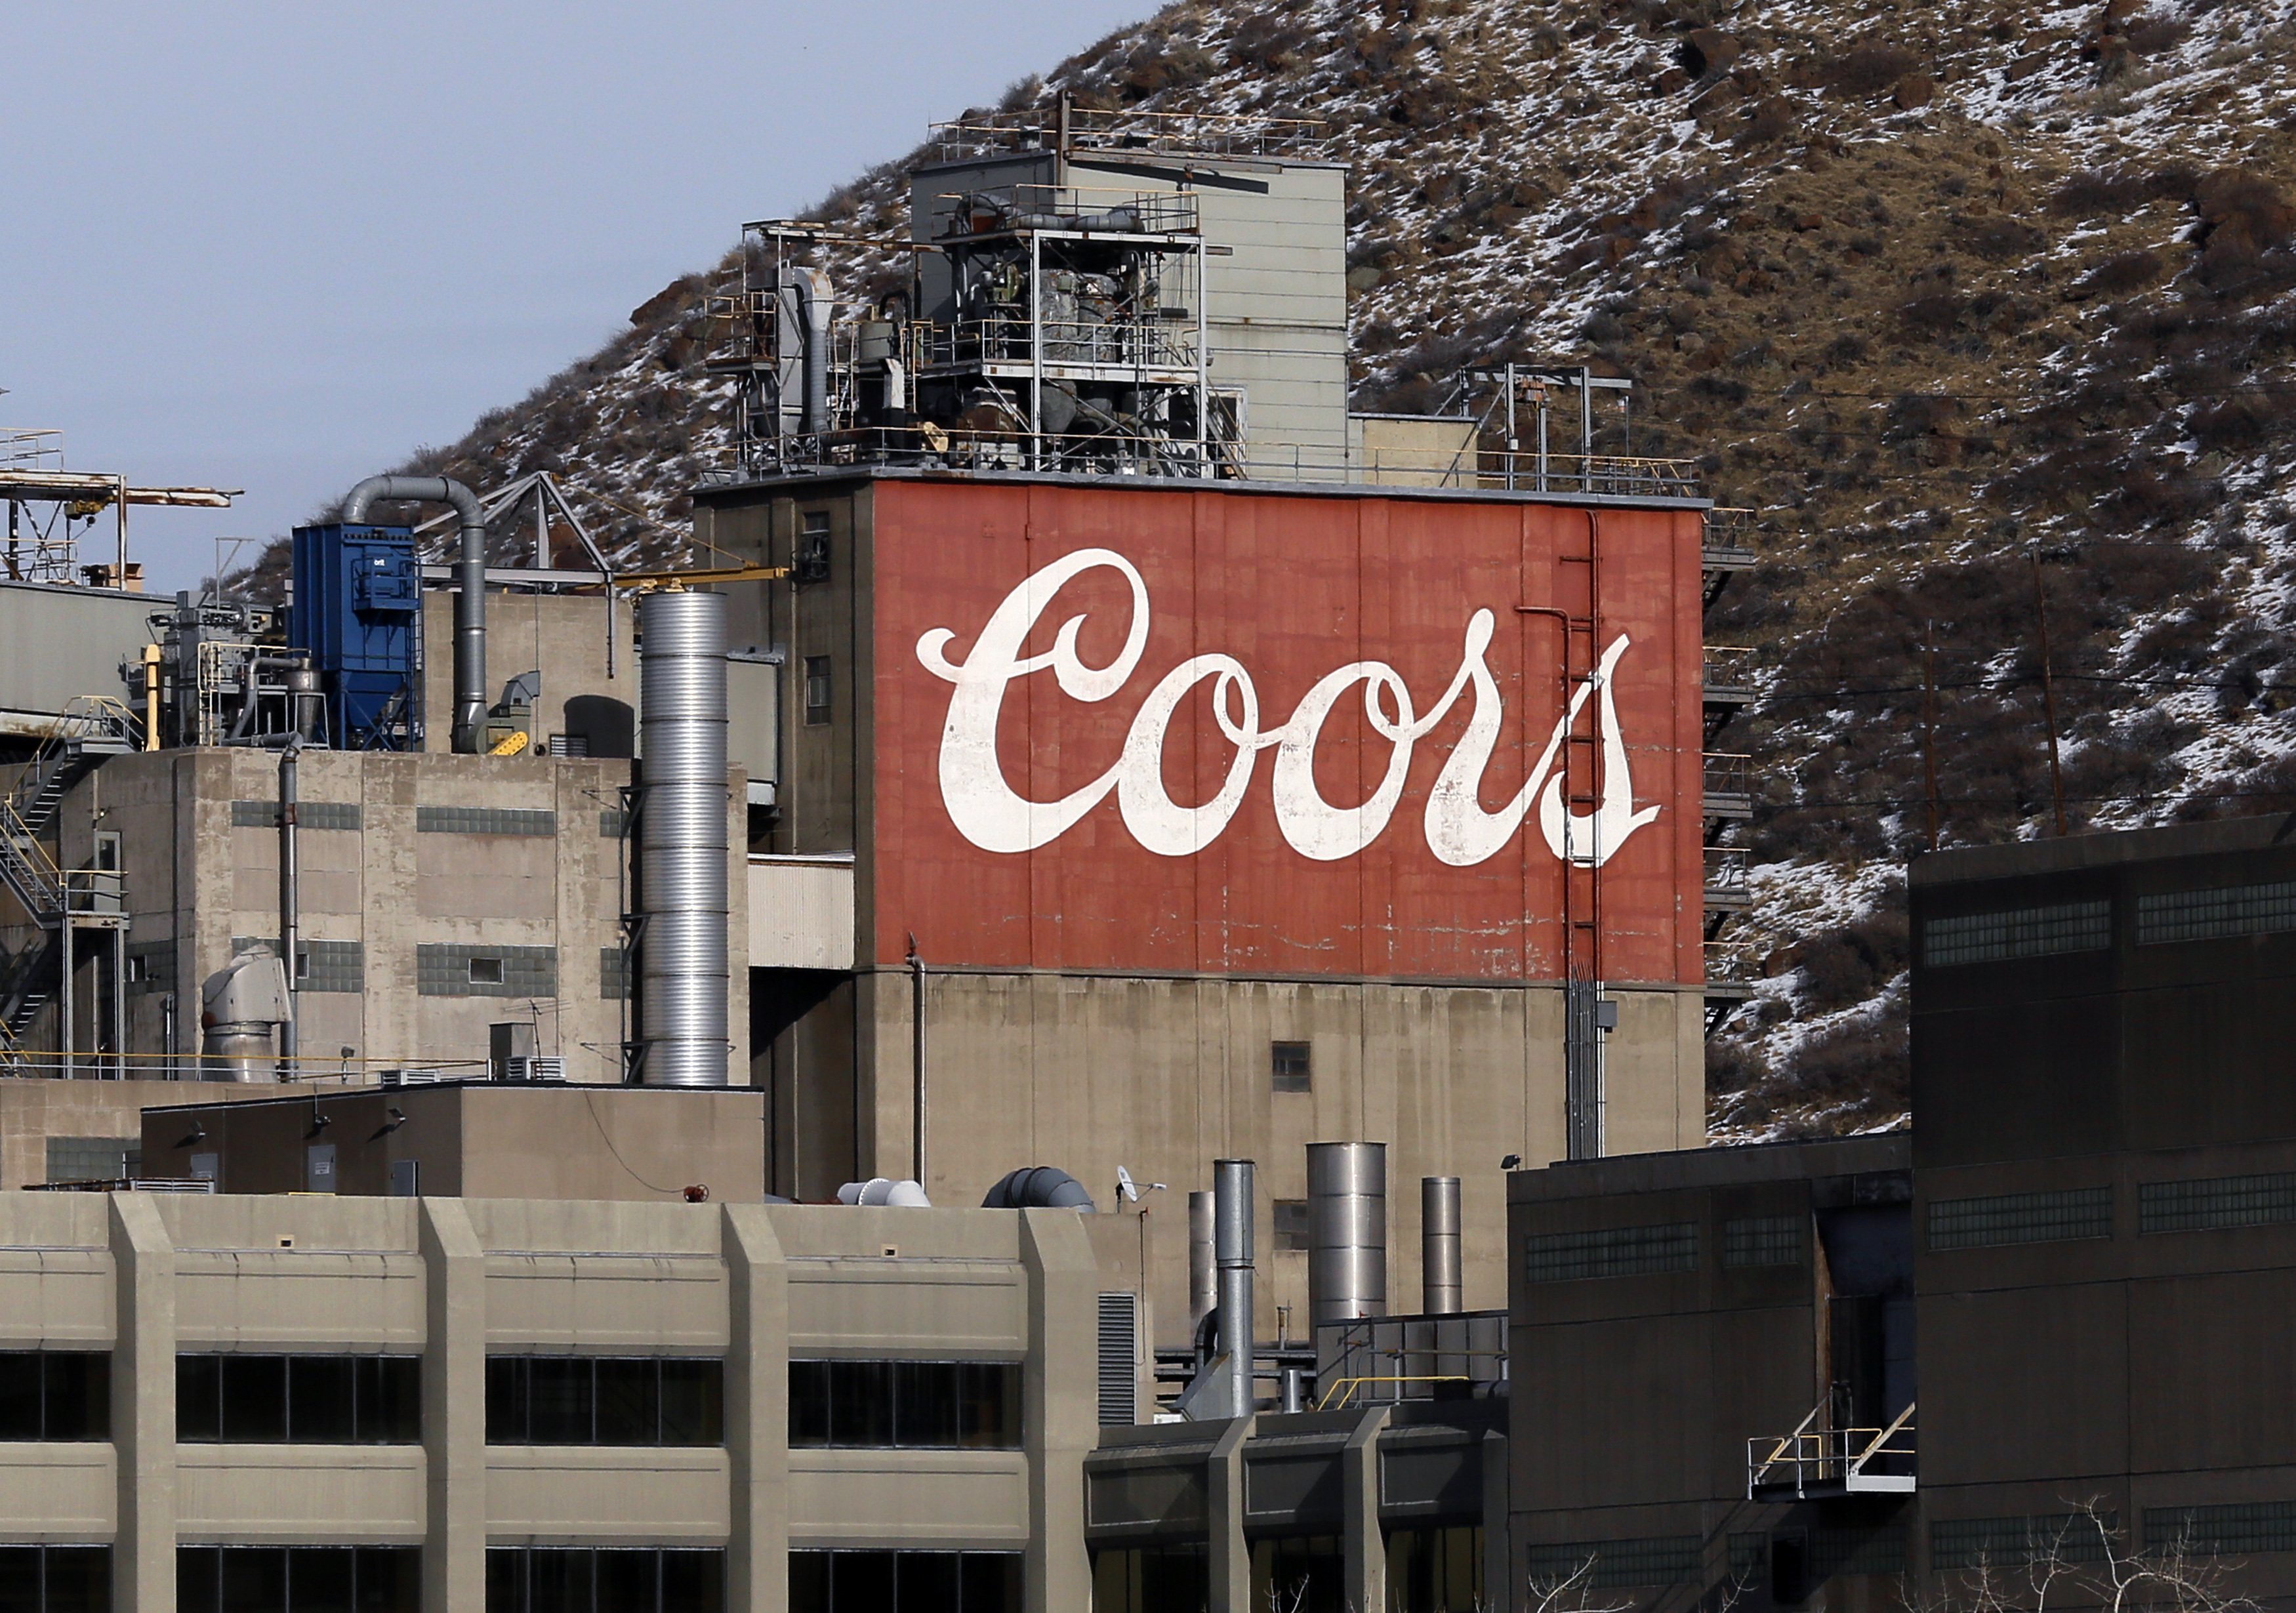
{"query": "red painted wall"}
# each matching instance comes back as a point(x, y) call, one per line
point(1294, 587)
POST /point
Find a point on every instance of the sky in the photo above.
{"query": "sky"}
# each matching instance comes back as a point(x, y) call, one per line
point(277, 247)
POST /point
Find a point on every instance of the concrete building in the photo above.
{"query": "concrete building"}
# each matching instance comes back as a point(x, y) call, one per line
point(298, 1403)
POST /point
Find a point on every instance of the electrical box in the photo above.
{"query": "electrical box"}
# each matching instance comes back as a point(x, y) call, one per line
point(359, 597)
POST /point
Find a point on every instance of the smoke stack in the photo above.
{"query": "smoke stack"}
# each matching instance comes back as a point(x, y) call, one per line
point(1232, 1237)
point(1346, 1231)
point(682, 848)
point(1203, 1278)
point(1439, 1283)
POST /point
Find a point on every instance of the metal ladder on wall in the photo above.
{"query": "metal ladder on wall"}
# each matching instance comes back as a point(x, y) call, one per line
point(90, 729)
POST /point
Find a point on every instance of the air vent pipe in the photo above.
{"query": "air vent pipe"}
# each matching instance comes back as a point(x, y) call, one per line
point(470, 604)
point(1203, 1281)
point(1346, 1231)
point(682, 844)
point(1439, 1278)
point(815, 307)
point(1232, 1240)
point(1039, 1187)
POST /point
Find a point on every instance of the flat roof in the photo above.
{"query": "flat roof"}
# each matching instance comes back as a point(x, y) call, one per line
point(1674, 1169)
point(832, 475)
point(2110, 848)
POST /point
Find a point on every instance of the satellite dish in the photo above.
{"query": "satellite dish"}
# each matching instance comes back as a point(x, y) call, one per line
point(1125, 1187)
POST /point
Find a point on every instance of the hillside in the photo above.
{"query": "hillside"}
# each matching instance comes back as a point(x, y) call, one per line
point(1984, 309)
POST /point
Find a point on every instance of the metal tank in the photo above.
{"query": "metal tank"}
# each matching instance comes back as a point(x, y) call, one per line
point(681, 841)
point(1346, 1231)
point(1440, 1283)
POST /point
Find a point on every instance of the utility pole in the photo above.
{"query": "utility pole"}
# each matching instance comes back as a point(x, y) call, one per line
point(1929, 722)
point(2049, 696)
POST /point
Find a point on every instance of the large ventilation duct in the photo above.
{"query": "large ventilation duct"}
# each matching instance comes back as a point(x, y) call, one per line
point(1231, 1240)
point(1440, 1277)
point(1203, 1281)
point(1039, 1187)
point(682, 848)
point(815, 307)
point(1346, 1231)
point(470, 605)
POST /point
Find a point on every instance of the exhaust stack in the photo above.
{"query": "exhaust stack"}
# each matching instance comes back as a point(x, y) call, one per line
point(1203, 1283)
point(1232, 1189)
point(1440, 1283)
point(682, 842)
point(1346, 1231)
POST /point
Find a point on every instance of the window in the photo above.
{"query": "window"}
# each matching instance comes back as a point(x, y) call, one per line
point(615, 1579)
point(1287, 1067)
point(233, 1399)
point(297, 1579)
point(2239, 1528)
point(816, 689)
point(2203, 915)
point(539, 821)
point(973, 1406)
point(1662, 1559)
point(139, 967)
point(444, 968)
point(1763, 1241)
point(1617, 1252)
point(674, 1400)
point(1990, 1223)
point(1290, 1223)
point(93, 1158)
point(1151, 1579)
point(486, 971)
point(56, 1579)
point(1973, 1542)
point(873, 1582)
point(2025, 932)
point(2195, 1206)
point(1432, 1569)
point(54, 1395)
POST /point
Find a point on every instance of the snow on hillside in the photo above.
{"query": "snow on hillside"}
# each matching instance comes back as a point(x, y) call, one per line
point(1985, 310)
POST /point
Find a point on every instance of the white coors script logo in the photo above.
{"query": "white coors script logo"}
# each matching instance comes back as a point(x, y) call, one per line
point(989, 813)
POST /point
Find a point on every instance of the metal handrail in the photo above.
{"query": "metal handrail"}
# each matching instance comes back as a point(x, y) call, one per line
point(1812, 1456)
point(1728, 666)
point(1728, 772)
point(1346, 1387)
point(1728, 868)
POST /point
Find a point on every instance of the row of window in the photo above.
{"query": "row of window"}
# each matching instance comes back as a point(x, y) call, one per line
point(299, 1579)
point(611, 1579)
point(2070, 927)
point(235, 1398)
point(901, 1582)
point(913, 1404)
point(1990, 1221)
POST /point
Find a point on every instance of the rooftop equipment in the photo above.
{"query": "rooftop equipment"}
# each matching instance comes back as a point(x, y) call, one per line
point(357, 593)
point(1346, 1231)
point(241, 1006)
point(1440, 1283)
point(682, 842)
point(1232, 1240)
point(1204, 1287)
point(470, 605)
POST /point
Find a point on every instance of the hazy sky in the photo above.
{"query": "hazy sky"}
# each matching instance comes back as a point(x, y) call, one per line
point(277, 246)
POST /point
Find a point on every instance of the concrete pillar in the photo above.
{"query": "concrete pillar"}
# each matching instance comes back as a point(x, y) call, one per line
point(143, 1406)
point(1366, 1547)
point(757, 1413)
point(454, 1407)
point(1230, 1563)
point(1059, 1405)
point(1497, 1593)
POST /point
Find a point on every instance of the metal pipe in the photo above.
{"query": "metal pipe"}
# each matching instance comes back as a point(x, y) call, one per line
point(813, 309)
point(1346, 1231)
point(917, 1061)
point(290, 917)
point(682, 840)
point(1203, 1283)
point(1232, 1241)
point(470, 605)
point(1440, 1281)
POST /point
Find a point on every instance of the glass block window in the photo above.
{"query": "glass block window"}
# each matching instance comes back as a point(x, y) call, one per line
point(1290, 1222)
point(2201, 915)
point(450, 970)
point(612, 822)
point(2186, 1206)
point(1614, 1251)
point(1764, 1240)
point(613, 974)
point(1973, 1542)
point(1661, 1559)
point(320, 965)
point(1833, 1552)
point(484, 820)
point(93, 1158)
point(2237, 1529)
point(2023, 932)
point(309, 814)
point(2079, 1212)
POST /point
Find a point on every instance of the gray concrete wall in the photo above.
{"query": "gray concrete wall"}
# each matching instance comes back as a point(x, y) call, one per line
point(452, 1279)
point(1163, 1076)
point(562, 636)
point(196, 878)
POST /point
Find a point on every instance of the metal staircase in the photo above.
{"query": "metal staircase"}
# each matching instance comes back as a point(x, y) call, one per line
point(91, 729)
